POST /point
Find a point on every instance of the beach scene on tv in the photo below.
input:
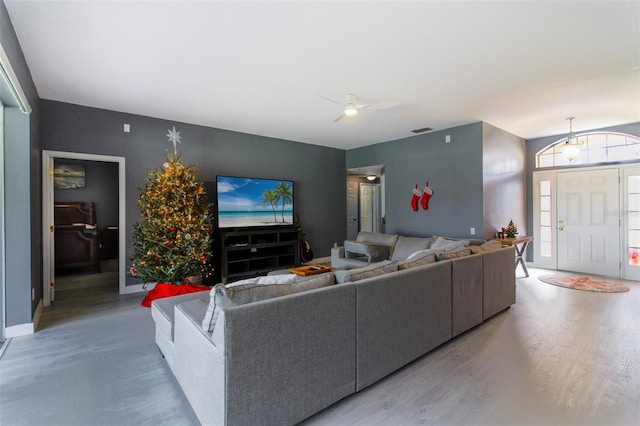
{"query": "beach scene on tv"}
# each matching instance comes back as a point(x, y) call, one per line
point(254, 202)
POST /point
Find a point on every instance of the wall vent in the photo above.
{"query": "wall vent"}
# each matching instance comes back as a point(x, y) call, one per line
point(424, 129)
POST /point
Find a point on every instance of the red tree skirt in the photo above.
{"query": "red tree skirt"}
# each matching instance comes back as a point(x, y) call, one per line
point(167, 290)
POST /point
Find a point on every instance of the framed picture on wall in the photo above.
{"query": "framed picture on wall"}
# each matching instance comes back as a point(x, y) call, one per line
point(68, 176)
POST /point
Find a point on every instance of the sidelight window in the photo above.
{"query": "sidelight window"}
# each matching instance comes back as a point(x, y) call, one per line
point(633, 219)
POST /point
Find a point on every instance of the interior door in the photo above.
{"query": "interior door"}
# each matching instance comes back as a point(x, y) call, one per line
point(366, 208)
point(588, 226)
point(352, 210)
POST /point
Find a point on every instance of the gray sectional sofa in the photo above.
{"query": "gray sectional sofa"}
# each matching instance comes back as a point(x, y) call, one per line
point(280, 360)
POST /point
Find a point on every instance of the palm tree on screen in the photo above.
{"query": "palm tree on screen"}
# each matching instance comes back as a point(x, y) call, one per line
point(271, 198)
point(283, 193)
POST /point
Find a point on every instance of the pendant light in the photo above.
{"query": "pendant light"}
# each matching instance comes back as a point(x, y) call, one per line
point(572, 147)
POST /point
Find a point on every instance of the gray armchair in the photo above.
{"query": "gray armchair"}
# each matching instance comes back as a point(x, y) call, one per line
point(368, 247)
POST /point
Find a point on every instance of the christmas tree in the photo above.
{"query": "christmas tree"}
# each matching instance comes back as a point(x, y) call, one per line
point(172, 242)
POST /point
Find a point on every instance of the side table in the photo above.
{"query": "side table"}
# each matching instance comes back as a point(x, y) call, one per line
point(521, 244)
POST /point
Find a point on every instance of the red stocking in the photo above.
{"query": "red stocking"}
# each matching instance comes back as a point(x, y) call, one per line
point(426, 195)
point(415, 198)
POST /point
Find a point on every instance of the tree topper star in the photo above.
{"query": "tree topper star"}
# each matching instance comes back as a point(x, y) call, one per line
point(174, 137)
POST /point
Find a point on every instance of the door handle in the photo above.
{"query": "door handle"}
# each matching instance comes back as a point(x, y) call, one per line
point(561, 228)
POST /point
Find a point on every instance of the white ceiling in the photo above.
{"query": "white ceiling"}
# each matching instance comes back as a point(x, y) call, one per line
point(258, 67)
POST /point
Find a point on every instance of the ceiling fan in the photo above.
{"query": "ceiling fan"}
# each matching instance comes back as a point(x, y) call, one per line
point(352, 107)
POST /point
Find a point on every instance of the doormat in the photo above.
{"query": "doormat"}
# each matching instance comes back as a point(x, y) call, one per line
point(586, 283)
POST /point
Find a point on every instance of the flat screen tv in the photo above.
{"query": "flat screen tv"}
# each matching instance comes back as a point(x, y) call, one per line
point(249, 202)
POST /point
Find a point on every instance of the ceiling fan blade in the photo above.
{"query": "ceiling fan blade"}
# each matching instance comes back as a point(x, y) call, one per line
point(338, 118)
point(331, 100)
point(384, 105)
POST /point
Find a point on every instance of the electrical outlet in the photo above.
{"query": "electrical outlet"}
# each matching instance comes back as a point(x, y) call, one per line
point(447, 139)
point(127, 128)
point(472, 231)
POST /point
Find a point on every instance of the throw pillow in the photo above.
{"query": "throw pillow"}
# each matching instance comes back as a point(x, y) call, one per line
point(420, 253)
point(225, 296)
point(487, 246)
point(447, 255)
point(351, 275)
point(405, 246)
point(448, 245)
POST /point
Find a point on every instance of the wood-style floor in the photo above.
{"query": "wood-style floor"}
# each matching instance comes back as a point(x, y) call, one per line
point(558, 356)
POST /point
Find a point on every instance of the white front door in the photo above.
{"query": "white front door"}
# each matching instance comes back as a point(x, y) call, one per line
point(588, 226)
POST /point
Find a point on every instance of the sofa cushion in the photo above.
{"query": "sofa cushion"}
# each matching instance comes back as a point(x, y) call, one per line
point(405, 246)
point(240, 293)
point(459, 252)
point(472, 241)
point(487, 246)
point(422, 259)
point(380, 268)
point(446, 244)
point(266, 280)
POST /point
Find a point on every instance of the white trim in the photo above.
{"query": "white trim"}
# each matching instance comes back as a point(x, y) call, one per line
point(12, 81)
point(3, 347)
point(629, 272)
point(20, 330)
point(47, 222)
point(47, 216)
point(3, 247)
point(137, 288)
point(36, 315)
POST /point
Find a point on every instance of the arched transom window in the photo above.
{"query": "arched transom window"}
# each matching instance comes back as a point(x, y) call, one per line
point(594, 148)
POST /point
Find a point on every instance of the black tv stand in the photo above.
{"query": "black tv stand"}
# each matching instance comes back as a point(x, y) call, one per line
point(249, 252)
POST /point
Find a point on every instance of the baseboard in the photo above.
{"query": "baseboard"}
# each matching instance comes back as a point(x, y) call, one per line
point(26, 328)
point(137, 288)
point(36, 314)
point(19, 330)
point(3, 347)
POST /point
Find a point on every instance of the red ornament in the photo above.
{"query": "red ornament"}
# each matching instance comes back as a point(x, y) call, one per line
point(170, 243)
point(203, 259)
point(173, 229)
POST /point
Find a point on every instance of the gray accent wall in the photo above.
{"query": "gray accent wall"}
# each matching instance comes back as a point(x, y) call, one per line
point(318, 172)
point(454, 171)
point(23, 230)
point(477, 178)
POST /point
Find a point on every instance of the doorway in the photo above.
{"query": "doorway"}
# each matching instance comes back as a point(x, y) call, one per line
point(365, 200)
point(49, 159)
point(370, 207)
point(588, 220)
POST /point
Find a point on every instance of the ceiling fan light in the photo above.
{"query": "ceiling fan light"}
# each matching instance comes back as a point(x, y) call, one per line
point(372, 177)
point(350, 111)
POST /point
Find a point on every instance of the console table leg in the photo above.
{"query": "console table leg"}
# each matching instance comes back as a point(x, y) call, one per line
point(519, 257)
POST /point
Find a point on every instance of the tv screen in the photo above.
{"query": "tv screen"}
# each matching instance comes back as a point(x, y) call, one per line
point(244, 202)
